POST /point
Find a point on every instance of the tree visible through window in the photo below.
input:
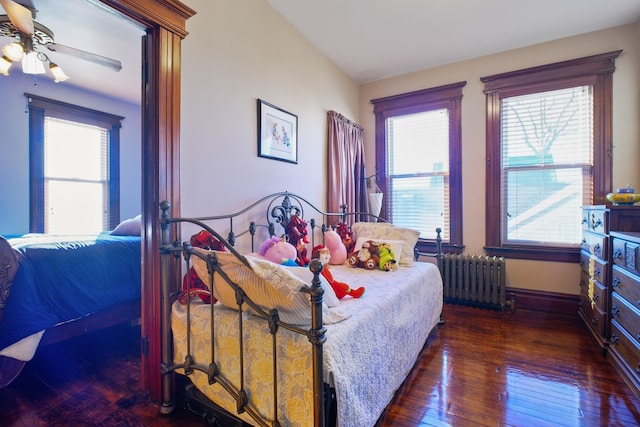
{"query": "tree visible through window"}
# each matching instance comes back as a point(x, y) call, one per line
point(74, 168)
point(418, 150)
point(549, 154)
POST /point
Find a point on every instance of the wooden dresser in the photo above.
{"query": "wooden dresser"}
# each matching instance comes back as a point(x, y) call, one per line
point(624, 347)
point(595, 260)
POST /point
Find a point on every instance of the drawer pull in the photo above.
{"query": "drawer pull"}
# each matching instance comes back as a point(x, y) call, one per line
point(596, 298)
point(594, 320)
point(615, 283)
point(614, 338)
point(615, 311)
point(617, 254)
point(596, 247)
point(584, 220)
point(596, 272)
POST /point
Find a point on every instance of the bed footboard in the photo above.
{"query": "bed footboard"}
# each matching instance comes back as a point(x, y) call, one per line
point(171, 251)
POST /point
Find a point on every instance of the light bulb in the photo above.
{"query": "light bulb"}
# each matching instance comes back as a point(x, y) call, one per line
point(13, 51)
point(57, 72)
point(5, 64)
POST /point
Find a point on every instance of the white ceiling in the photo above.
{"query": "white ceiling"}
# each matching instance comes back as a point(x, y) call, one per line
point(375, 39)
point(82, 25)
point(368, 39)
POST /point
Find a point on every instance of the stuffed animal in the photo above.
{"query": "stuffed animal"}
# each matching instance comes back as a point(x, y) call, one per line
point(346, 235)
point(338, 251)
point(204, 240)
point(297, 232)
point(340, 288)
point(367, 257)
point(278, 250)
point(387, 259)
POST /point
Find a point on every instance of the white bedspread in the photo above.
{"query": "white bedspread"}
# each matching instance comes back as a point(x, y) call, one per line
point(366, 357)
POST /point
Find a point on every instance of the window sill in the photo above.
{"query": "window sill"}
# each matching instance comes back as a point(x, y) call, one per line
point(571, 255)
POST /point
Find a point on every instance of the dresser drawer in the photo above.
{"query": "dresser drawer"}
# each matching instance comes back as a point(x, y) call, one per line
point(593, 314)
point(626, 284)
point(625, 254)
point(595, 244)
point(626, 347)
point(595, 220)
point(593, 266)
point(595, 292)
point(627, 316)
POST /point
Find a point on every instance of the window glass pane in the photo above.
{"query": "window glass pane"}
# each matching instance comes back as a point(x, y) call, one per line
point(547, 155)
point(75, 177)
point(74, 150)
point(418, 142)
point(74, 207)
point(544, 205)
point(418, 171)
point(419, 203)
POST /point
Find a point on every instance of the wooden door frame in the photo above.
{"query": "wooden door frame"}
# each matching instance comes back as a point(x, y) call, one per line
point(165, 23)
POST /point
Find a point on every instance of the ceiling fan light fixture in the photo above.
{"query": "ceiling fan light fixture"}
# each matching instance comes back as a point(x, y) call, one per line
point(5, 64)
point(13, 51)
point(58, 74)
point(31, 64)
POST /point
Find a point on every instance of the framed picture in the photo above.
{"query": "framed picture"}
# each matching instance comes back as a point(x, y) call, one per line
point(277, 133)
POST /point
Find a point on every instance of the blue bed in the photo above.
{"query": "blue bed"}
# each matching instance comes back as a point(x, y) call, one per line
point(50, 284)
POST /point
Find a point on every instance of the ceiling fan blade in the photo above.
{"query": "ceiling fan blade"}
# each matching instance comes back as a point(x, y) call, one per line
point(21, 14)
point(113, 64)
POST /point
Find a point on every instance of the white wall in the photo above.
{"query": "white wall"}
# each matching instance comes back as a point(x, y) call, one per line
point(14, 145)
point(237, 52)
point(542, 276)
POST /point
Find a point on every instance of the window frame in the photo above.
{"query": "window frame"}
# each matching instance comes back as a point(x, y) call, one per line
point(39, 107)
point(597, 71)
point(442, 97)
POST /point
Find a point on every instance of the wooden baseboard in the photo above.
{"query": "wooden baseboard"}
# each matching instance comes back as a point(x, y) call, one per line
point(544, 301)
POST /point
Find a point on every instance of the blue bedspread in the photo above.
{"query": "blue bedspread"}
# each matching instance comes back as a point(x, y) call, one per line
point(63, 278)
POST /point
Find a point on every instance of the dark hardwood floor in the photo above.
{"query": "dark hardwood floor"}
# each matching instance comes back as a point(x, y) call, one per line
point(479, 369)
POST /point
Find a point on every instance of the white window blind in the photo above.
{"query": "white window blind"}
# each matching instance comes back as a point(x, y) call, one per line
point(76, 184)
point(418, 171)
point(547, 159)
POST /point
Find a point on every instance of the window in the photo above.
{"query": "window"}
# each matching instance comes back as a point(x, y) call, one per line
point(418, 157)
point(74, 168)
point(548, 154)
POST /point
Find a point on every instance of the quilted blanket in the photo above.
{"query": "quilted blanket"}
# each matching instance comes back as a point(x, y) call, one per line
point(366, 357)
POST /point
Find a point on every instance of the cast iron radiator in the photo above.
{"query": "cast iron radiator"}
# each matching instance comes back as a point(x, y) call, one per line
point(474, 280)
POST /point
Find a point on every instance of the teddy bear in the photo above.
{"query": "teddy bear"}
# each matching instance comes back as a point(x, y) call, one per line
point(338, 251)
point(341, 289)
point(387, 259)
point(367, 257)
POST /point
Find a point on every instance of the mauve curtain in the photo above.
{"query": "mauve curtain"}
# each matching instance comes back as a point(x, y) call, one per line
point(346, 169)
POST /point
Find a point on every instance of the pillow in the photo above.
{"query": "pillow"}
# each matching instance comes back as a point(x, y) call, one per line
point(268, 284)
point(397, 246)
point(129, 227)
point(387, 232)
point(303, 273)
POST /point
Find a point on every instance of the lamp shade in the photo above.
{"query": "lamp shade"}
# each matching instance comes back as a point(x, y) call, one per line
point(5, 64)
point(13, 51)
point(57, 72)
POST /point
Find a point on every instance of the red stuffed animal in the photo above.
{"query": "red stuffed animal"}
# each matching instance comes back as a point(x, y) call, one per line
point(204, 240)
point(297, 232)
point(340, 288)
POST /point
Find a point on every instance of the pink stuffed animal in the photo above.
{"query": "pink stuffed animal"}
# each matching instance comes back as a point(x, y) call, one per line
point(338, 251)
point(278, 250)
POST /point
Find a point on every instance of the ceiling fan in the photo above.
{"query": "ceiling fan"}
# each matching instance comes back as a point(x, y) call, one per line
point(19, 23)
